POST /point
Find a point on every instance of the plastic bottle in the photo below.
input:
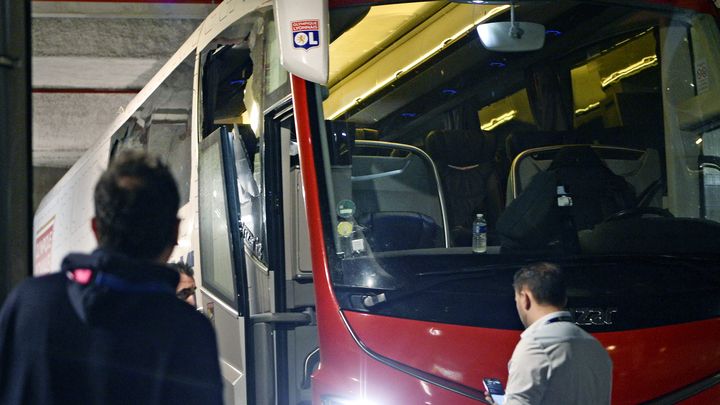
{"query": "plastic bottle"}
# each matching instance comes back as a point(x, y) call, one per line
point(479, 229)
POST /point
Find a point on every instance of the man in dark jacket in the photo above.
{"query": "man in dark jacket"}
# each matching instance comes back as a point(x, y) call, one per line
point(108, 328)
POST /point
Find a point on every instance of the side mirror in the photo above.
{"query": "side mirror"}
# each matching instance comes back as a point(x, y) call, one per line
point(509, 36)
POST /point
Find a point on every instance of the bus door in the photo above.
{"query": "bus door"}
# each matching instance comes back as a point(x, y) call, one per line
point(247, 124)
point(224, 286)
point(257, 284)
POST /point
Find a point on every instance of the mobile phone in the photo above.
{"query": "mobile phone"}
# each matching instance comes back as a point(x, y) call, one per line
point(494, 387)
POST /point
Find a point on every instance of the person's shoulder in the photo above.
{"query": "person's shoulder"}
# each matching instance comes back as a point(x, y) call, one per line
point(43, 291)
point(40, 285)
point(556, 333)
point(188, 317)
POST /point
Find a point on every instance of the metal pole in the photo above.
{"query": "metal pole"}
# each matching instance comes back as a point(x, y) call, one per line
point(15, 145)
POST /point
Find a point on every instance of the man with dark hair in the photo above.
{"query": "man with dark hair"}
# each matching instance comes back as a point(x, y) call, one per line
point(555, 362)
point(185, 289)
point(108, 329)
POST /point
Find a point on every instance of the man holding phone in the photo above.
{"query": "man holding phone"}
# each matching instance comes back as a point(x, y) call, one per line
point(555, 362)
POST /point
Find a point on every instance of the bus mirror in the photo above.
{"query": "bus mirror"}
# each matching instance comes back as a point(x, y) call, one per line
point(515, 36)
point(302, 29)
point(512, 36)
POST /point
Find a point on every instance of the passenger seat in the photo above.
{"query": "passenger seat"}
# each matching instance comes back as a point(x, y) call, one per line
point(465, 160)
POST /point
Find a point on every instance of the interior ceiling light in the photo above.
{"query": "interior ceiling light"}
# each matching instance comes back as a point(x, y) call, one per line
point(499, 120)
point(636, 67)
point(449, 92)
point(592, 106)
point(553, 33)
point(417, 62)
point(497, 64)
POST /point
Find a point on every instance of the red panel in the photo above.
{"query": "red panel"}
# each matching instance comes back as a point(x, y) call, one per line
point(704, 6)
point(459, 353)
point(647, 362)
point(340, 355)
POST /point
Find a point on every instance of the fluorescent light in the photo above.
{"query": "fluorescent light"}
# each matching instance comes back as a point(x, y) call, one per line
point(592, 106)
point(636, 67)
point(698, 141)
point(499, 120)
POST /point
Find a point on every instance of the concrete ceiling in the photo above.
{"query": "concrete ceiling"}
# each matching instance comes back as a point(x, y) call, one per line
point(90, 59)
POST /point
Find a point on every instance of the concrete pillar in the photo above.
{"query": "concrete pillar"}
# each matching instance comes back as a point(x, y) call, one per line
point(15, 145)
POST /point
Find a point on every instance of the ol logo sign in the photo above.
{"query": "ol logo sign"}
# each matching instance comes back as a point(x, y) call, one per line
point(306, 34)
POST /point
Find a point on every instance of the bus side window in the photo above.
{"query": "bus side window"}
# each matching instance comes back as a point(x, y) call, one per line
point(248, 163)
point(162, 126)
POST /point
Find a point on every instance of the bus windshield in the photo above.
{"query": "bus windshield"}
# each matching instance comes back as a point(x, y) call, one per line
point(602, 143)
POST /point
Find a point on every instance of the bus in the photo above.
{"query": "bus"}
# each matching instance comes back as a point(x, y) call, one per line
point(333, 155)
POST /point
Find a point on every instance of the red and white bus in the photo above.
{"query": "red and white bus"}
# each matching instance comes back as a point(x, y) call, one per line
point(332, 156)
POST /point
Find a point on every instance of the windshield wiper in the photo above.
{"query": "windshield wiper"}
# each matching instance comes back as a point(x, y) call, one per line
point(432, 280)
point(483, 268)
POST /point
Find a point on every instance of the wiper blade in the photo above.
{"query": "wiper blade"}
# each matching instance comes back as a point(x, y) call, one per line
point(448, 276)
point(477, 269)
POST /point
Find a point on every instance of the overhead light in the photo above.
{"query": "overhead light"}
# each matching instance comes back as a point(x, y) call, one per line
point(698, 141)
point(636, 67)
point(499, 120)
point(592, 106)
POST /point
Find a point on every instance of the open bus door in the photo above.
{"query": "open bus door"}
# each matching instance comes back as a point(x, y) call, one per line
point(260, 306)
point(224, 285)
point(257, 283)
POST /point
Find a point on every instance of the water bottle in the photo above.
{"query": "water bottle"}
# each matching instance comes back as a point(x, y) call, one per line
point(479, 230)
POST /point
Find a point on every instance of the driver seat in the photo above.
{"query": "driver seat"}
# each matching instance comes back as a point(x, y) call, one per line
point(534, 220)
point(596, 191)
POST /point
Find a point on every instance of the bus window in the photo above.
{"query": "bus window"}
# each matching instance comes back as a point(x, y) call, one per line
point(162, 126)
point(621, 86)
point(499, 120)
point(232, 97)
point(217, 264)
point(277, 85)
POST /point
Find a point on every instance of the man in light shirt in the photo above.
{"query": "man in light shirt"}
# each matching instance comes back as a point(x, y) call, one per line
point(555, 362)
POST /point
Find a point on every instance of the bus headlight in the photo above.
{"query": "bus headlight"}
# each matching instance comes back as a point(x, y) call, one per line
point(333, 400)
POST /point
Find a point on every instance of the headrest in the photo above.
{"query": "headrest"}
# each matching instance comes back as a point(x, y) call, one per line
point(367, 134)
point(456, 147)
point(576, 156)
point(517, 142)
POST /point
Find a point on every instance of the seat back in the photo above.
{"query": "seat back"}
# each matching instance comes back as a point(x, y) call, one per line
point(470, 182)
point(596, 191)
point(533, 218)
